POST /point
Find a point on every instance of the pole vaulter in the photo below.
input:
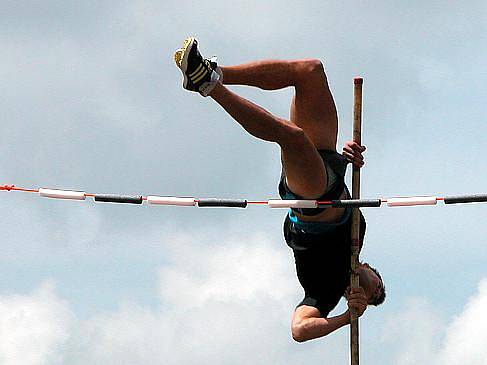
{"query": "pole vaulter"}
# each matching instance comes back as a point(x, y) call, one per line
point(323, 227)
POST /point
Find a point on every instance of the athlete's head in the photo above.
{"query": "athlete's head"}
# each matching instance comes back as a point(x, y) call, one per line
point(371, 281)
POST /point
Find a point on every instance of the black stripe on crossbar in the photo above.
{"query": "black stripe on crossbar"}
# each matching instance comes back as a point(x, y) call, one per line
point(475, 198)
point(232, 203)
point(356, 203)
point(107, 198)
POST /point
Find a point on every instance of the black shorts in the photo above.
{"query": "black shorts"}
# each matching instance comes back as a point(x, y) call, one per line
point(322, 259)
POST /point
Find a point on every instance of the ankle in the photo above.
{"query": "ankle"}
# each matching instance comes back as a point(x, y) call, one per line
point(207, 87)
point(217, 90)
point(219, 71)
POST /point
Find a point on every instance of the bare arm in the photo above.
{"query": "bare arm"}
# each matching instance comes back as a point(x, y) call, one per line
point(314, 327)
point(308, 323)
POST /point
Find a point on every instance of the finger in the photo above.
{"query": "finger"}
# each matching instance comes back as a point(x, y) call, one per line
point(358, 290)
point(348, 153)
point(359, 297)
point(357, 300)
point(353, 305)
point(354, 154)
point(356, 297)
point(357, 147)
point(349, 157)
point(361, 300)
point(359, 306)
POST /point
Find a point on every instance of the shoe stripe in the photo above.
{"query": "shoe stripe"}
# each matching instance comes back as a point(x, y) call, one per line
point(200, 77)
point(198, 69)
point(198, 74)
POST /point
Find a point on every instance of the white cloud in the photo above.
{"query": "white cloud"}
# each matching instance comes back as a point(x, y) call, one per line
point(240, 270)
point(413, 332)
point(33, 327)
point(418, 334)
point(220, 304)
point(466, 338)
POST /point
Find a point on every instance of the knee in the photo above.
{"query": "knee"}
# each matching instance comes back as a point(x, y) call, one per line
point(310, 67)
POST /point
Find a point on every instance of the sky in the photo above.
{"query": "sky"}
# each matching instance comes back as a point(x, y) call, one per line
point(92, 101)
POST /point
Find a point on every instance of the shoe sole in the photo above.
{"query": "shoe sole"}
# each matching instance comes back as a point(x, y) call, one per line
point(188, 44)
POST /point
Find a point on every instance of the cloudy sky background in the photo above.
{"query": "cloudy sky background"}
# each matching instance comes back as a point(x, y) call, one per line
point(92, 101)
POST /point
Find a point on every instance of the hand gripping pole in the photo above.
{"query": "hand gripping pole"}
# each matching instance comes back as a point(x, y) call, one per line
point(354, 279)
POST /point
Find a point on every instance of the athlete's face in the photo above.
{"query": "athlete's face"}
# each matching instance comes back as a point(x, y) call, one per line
point(370, 282)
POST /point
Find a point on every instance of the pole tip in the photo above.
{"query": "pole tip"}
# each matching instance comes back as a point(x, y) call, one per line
point(358, 81)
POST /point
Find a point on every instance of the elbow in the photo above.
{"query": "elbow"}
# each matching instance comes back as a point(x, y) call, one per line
point(300, 334)
point(299, 338)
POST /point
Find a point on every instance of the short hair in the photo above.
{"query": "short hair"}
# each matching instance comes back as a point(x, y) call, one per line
point(382, 296)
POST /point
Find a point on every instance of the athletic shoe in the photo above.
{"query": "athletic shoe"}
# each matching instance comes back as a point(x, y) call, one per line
point(198, 73)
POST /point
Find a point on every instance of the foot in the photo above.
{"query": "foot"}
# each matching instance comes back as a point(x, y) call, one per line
point(199, 74)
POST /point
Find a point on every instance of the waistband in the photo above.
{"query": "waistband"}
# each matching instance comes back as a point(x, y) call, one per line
point(318, 227)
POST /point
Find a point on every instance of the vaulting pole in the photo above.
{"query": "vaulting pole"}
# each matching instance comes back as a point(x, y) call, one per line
point(354, 279)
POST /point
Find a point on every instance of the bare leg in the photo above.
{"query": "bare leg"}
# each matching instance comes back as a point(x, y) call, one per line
point(312, 109)
point(304, 168)
point(267, 75)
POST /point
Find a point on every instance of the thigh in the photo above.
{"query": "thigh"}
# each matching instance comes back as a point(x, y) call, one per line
point(313, 109)
point(304, 169)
